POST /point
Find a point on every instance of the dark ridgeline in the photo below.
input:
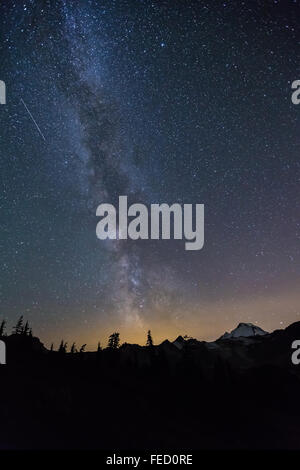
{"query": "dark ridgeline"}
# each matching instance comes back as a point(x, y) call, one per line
point(237, 392)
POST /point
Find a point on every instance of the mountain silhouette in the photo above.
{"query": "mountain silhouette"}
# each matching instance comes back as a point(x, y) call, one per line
point(239, 391)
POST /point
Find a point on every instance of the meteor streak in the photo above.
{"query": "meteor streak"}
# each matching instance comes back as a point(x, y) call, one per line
point(36, 125)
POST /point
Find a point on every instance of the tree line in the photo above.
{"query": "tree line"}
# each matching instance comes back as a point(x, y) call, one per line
point(24, 329)
point(113, 344)
point(20, 328)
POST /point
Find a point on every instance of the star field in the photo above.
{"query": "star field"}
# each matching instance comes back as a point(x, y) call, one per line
point(180, 101)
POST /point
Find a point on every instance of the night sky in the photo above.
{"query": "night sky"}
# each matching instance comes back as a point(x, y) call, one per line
point(162, 101)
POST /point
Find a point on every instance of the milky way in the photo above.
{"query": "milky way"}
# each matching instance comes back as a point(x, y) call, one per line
point(187, 103)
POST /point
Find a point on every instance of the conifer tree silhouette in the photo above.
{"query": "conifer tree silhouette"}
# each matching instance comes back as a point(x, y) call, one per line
point(149, 339)
point(99, 349)
point(114, 341)
point(82, 348)
point(73, 348)
point(2, 327)
point(62, 347)
point(110, 341)
point(18, 329)
point(26, 329)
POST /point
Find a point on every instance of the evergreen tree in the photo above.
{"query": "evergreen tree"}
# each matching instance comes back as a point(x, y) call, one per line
point(99, 349)
point(26, 329)
point(18, 329)
point(62, 347)
point(73, 348)
point(149, 340)
point(2, 327)
point(114, 341)
point(110, 341)
point(117, 340)
point(82, 348)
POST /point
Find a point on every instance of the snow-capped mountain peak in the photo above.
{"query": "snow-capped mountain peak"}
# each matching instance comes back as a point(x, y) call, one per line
point(244, 330)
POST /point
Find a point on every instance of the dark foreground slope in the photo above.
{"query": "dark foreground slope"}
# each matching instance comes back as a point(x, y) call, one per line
point(234, 393)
